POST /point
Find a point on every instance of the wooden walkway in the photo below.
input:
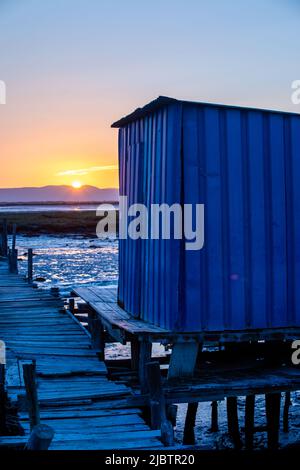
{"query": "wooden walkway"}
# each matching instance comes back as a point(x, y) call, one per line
point(86, 410)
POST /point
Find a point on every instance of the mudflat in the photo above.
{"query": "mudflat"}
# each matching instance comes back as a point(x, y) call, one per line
point(54, 222)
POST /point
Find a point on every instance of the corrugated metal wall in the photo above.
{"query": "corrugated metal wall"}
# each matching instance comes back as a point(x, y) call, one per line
point(244, 165)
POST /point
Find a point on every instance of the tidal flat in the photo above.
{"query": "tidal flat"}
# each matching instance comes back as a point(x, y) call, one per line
point(44, 222)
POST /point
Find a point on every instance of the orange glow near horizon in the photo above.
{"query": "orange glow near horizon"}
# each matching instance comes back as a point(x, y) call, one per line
point(38, 155)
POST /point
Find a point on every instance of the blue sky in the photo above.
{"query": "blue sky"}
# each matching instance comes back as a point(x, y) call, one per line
point(73, 66)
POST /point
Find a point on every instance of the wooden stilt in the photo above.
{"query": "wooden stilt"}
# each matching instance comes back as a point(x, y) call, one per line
point(30, 266)
point(287, 403)
point(98, 338)
point(273, 419)
point(172, 414)
point(40, 437)
point(4, 245)
point(135, 353)
point(13, 261)
point(214, 417)
point(249, 421)
point(155, 392)
point(190, 420)
point(96, 330)
point(29, 374)
point(14, 237)
point(233, 421)
point(54, 291)
point(144, 358)
point(2, 400)
point(157, 403)
point(72, 304)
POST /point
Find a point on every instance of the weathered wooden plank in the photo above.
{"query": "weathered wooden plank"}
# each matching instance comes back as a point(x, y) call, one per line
point(76, 399)
point(72, 413)
point(95, 423)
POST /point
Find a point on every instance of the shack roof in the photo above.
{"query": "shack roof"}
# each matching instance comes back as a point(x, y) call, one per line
point(165, 100)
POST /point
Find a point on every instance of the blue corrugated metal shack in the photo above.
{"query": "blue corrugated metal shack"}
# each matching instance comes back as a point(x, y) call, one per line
point(244, 165)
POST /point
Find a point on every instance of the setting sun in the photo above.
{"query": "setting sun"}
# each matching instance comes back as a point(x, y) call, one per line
point(76, 184)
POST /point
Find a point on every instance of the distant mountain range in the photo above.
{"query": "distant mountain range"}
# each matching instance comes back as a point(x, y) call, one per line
point(58, 194)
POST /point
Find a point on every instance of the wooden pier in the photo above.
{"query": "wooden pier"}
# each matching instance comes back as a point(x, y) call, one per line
point(69, 398)
point(192, 375)
point(76, 399)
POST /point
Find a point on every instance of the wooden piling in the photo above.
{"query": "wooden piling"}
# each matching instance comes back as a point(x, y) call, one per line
point(29, 374)
point(214, 417)
point(233, 421)
point(172, 414)
point(97, 336)
point(273, 418)
point(14, 261)
point(2, 400)
point(287, 403)
point(9, 257)
point(144, 358)
point(14, 236)
point(249, 421)
point(30, 266)
point(135, 353)
point(190, 421)
point(54, 291)
point(4, 245)
point(157, 403)
point(72, 305)
point(40, 437)
point(155, 393)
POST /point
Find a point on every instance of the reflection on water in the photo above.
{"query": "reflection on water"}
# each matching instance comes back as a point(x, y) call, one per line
point(67, 261)
point(54, 207)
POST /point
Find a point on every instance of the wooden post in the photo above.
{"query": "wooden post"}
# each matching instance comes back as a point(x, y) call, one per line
point(97, 333)
point(190, 421)
point(214, 417)
point(167, 433)
point(97, 336)
point(91, 314)
point(2, 400)
point(135, 353)
point(14, 236)
point(273, 419)
point(249, 421)
point(4, 245)
point(14, 261)
point(29, 374)
point(72, 305)
point(30, 266)
point(9, 257)
point(54, 291)
point(144, 358)
point(40, 437)
point(233, 421)
point(172, 414)
point(157, 403)
point(287, 403)
point(153, 376)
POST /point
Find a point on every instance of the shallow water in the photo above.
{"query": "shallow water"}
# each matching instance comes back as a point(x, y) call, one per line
point(66, 262)
point(52, 207)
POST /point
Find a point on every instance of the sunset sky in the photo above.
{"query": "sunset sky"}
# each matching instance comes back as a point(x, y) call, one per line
point(72, 67)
